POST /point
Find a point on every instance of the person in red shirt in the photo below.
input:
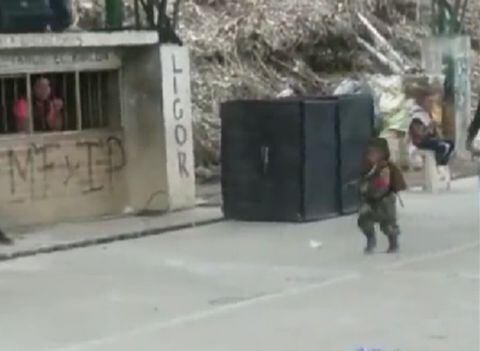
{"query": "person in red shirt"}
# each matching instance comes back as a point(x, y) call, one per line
point(20, 114)
point(47, 109)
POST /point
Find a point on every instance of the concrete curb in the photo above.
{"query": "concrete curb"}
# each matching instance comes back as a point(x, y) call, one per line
point(105, 240)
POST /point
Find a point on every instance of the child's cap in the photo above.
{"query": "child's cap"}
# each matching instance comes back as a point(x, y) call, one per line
point(380, 144)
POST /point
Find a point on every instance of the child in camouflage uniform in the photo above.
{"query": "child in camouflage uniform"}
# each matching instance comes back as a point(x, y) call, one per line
point(380, 182)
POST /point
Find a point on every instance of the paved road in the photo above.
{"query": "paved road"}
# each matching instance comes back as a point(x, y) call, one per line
point(246, 286)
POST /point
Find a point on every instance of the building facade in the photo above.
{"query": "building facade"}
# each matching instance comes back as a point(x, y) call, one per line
point(93, 123)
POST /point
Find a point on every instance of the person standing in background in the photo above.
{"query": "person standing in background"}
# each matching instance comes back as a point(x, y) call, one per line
point(473, 129)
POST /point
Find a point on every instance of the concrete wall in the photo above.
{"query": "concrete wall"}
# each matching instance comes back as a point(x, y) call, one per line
point(144, 129)
point(45, 178)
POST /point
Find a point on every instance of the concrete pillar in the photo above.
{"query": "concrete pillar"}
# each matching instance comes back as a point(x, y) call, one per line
point(157, 122)
point(436, 53)
point(177, 118)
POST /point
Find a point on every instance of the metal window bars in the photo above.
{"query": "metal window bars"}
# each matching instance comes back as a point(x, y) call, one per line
point(85, 95)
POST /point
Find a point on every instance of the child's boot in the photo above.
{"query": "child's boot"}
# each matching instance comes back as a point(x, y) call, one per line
point(371, 243)
point(4, 239)
point(392, 244)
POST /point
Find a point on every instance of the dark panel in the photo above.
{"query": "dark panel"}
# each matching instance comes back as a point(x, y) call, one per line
point(62, 15)
point(355, 126)
point(240, 158)
point(289, 160)
point(321, 198)
point(261, 158)
point(283, 179)
point(24, 16)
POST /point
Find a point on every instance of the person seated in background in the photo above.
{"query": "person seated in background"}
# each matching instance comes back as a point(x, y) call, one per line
point(424, 132)
point(47, 109)
point(473, 130)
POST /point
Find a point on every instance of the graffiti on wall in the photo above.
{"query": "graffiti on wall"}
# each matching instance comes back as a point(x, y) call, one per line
point(85, 167)
point(180, 130)
point(177, 119)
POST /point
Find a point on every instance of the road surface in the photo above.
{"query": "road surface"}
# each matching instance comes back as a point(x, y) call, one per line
point(258, 286)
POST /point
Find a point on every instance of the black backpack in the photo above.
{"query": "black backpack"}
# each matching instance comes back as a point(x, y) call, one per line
point(397, 180)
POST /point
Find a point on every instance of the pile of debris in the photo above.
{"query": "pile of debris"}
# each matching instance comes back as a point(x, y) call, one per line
point(263, 48)
point(257, 49)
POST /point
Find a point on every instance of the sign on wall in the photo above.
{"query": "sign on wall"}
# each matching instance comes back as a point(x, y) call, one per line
point(177, 114)
point(33, 61)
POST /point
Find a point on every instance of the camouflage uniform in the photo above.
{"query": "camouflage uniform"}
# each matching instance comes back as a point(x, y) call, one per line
point(378, 187)
point(378, 205)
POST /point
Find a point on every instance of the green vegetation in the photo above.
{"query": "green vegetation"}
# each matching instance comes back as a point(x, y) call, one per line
point(447, 18)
